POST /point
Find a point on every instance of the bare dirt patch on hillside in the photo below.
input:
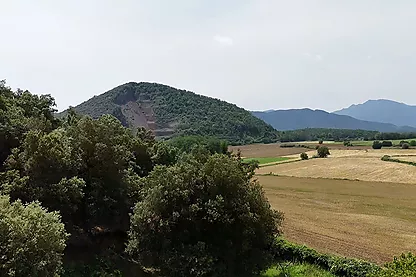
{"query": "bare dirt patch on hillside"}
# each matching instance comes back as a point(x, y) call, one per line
point(367, 220)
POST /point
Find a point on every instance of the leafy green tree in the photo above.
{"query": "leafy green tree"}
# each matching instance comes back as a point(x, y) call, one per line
point(21, 112)
point(403, 266)
point(89, 171)
point(386, 143)
point(377, 144)
point(323, 152)
point(204, 216)
point(187, 143)
point(412, 143)
point(32, 240)
point(304, 156)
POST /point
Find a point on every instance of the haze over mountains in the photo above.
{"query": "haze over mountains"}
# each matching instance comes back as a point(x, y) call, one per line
point(382, 110)
point(169, 111)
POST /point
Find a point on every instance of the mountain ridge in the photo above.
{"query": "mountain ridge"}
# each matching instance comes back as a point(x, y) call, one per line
point(382, 110)
point(294, 119)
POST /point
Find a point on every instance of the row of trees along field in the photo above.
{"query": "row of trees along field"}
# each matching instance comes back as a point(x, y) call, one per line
point(84, 197)
point(315, 134)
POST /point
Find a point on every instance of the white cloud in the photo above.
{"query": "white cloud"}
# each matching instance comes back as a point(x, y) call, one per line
point(223, 40)
point(318, 57)
point(369, 57)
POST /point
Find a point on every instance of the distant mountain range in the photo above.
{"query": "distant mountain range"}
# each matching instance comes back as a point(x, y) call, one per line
point(385, 111)
point(306, 118)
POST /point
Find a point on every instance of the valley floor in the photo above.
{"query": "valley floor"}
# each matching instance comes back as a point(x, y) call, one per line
point(367, 220)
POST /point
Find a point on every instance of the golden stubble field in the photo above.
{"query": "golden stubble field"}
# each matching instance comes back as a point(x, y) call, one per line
point(368, 220)
point(363, 165)
point(351, 203)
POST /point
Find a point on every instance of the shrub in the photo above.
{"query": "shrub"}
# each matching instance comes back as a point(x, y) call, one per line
point(32, 240)
point(403, 142)
point(204, 216)
point(323, 152)
point(304, 156)
point(403, 266)
point(286, 251)
point(377, 144)
point(347, 143)
point(386, 143)
point(321, 141)
point(405, 146)
point(412, 143)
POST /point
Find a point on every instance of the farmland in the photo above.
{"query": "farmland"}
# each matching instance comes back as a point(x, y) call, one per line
point(367, 220)
point(351, 203)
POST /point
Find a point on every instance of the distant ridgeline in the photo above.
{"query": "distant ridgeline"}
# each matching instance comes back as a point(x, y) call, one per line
point(312, 134)
point(171, 112)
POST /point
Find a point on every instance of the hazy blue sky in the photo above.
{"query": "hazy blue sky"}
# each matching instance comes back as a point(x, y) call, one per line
point(259, 54)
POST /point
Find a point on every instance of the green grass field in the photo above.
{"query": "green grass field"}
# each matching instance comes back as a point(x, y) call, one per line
point(267, 160)
point(300, 270)
point(370, 142)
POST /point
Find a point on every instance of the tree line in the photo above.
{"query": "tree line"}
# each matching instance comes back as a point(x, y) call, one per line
point(315, 134)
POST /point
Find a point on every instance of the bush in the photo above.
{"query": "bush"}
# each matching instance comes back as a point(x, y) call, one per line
point(403, 266)
point(304, 156)
point(347, 143)
point(412, 143)
point(321, 141)
point(31, 240)
point(403, 142)
point(323, 152)
point(405, 146)
point(386, 143)
point(286, 251)
point(377, 144)
point(204, 216)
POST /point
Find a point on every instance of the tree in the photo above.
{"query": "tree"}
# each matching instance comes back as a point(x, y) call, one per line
point(413, 143)
point(89, 171)
point(323, 152)
point(405, 146)
point(204, 216)
point(321, 141)
point(32, 240)
point(377, 144)
point(386, 143)
point(403, 266)
point(304, 156)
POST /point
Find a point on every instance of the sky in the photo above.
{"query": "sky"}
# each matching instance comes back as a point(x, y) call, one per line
point(258, 54)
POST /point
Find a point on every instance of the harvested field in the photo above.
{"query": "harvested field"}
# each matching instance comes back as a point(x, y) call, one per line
point(364, 165)
point(367, 220)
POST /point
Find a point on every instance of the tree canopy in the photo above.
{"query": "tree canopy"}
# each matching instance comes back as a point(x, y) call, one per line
point(204, 216)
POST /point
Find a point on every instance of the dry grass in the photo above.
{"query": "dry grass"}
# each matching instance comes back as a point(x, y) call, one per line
point(365, 165)
point(367, 220)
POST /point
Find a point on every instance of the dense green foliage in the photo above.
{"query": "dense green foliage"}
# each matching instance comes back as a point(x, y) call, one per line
point(185, 112)
point(377, 144)
point(188, 143)
point(203, 217)
point(32, 240)
point(304, 156)
point(412, 143)
point(20, 112)
point(316, 134)
point(403, 266)
point(286, 251)
point(296, 270)
point(323, 152)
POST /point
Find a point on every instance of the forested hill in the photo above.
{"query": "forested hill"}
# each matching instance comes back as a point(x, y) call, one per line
point(169, 111)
